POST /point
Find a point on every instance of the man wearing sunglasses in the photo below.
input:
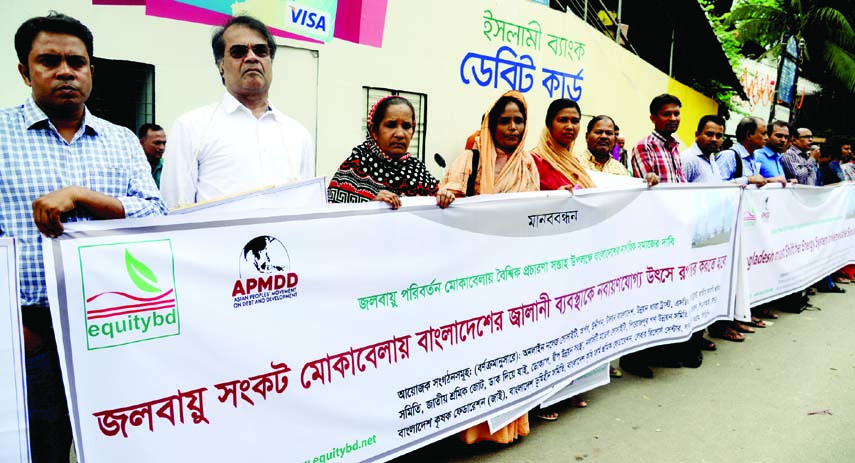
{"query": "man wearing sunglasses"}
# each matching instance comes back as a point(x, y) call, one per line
point(241, 143)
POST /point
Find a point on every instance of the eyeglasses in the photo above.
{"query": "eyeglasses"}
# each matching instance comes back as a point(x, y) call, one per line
point(805, 136)
point(260, 50)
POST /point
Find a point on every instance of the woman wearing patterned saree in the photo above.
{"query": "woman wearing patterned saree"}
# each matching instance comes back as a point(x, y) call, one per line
point(381, 168)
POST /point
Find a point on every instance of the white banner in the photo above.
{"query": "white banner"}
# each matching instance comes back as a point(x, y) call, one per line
point(14, 443)
point(793, 237)
point(357, 333)
point(310, 193)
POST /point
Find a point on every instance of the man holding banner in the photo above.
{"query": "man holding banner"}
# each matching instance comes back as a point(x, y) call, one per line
point(60, 164)
point(241, 143)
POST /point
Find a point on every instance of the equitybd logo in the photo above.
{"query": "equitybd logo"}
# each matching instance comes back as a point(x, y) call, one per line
point(750, 218)
point(129, 291)
point(265, 273)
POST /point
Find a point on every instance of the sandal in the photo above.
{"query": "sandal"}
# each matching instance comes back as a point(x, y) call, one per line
point(764, 312)
point(729, 334)
point(614, 372)
point(577, 402)
point(705, 344)
point(739, 327)
point(548, 416)
point(756, 323)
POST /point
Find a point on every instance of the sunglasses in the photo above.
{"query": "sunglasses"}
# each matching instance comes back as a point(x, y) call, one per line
point(260, 50)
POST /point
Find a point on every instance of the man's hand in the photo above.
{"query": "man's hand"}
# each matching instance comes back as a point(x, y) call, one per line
point(757, 180)
point(389, 198)
point(48, 209)
point(780, 179)
point(651, 179)
point(444, 198)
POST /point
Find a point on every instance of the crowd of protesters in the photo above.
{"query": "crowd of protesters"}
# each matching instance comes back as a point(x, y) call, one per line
point(242, 142)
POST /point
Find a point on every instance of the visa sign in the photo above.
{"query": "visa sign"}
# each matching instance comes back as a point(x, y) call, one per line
point(311, 21)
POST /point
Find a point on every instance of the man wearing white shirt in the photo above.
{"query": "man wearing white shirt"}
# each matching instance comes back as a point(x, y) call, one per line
point(241, 143)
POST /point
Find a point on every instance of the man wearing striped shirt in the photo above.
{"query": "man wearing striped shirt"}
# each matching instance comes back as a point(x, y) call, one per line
point(59, 164)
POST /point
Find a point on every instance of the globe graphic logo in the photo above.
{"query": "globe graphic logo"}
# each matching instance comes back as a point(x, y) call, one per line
point(264, 255)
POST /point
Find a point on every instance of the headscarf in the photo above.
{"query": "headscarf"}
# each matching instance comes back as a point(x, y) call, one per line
point(562, 159)
point(368, 170)
point(369, 136)
point(518, 174)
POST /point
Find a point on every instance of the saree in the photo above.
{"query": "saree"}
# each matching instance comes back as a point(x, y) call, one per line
point(368, 170)
point(518, 174)
point(557, 165)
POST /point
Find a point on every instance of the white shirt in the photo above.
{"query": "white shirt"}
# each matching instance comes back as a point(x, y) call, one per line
point(222, 150)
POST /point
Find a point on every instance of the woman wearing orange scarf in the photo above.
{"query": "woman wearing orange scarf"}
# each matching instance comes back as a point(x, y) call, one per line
point(557, 165)
point(503, 166)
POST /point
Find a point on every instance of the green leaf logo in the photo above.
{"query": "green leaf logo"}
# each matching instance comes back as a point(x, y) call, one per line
point(140, 274)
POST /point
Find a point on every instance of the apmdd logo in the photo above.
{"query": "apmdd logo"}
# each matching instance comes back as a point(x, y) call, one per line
point(265, 275)
point(129, 292)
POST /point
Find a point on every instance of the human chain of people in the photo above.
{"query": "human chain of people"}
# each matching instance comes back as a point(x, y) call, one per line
point(241, 143)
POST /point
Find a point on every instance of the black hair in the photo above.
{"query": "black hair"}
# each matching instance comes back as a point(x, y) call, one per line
point(499, 108)
point(380, 112)
point(596, 119)
point(218, 45)
point(57, 23)
point(718, 120)
point(835, 147)
point(747, 126)
point(662, 100)
point(772, 125)
point(143, 131)
point(557, 105)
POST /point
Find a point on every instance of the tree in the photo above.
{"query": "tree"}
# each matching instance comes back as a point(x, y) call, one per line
point(823, 26)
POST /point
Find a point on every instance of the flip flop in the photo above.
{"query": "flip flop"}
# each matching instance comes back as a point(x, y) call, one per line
point(614, 372)
point(578, 402)
point(548, 416)
point(739, 327)
point(756, 323)
point(766, 313)
point(729, 334)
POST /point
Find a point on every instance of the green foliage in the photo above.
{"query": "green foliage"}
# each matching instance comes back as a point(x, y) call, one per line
point(825, 27)
point(721, 93)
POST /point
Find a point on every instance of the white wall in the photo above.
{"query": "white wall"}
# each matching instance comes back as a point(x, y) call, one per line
point(424, 43)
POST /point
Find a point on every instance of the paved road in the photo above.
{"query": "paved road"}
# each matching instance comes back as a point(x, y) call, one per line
point(749, 402)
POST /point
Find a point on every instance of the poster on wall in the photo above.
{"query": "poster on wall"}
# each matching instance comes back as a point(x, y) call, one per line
point(14, 442)
point(315, 21)
point(310, 18)
point(356, 331)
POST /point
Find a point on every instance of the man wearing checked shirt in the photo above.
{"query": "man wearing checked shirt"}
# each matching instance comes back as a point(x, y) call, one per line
point(59, 163)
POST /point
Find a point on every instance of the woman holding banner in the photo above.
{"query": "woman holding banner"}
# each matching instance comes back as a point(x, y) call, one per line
point(498, 163)
point(558, 167)
point(381, 168)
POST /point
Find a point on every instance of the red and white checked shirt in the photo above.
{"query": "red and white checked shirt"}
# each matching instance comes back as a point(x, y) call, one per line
point(660, 156)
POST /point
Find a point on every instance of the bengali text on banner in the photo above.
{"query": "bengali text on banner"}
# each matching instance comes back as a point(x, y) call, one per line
point(356, 333)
